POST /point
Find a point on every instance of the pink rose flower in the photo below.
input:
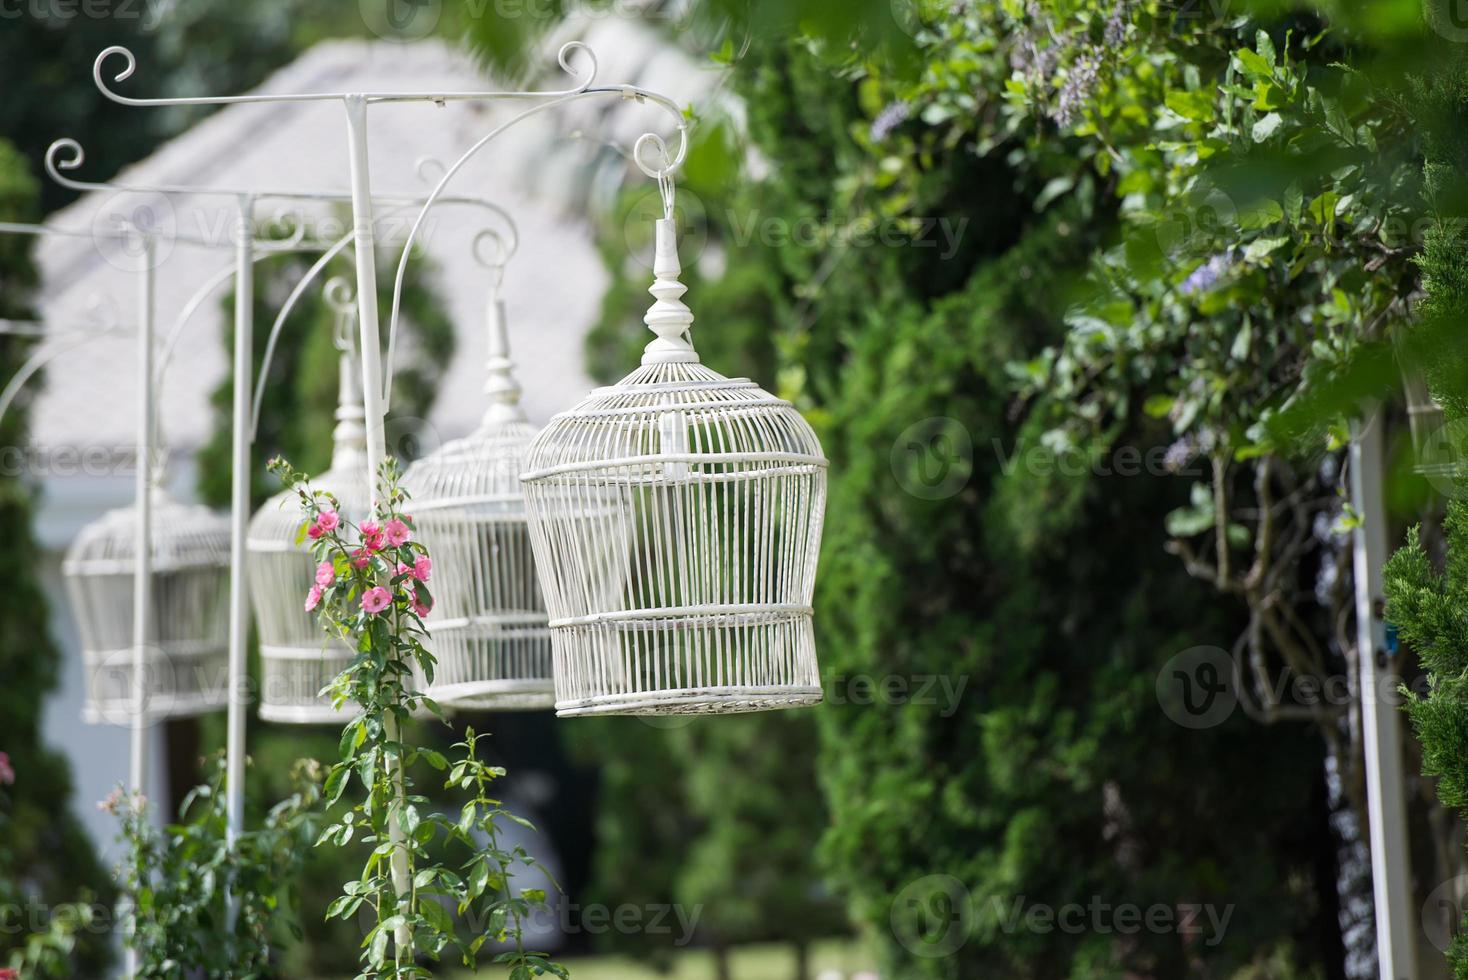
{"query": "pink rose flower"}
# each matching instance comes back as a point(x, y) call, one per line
point(313, 598)
point(325, 574)
point(371, 535)
point(421, 608)
point(397, 533)
point(361, 557)
point(375, 600)
point(314, 531)
point(7, 774)
point(328, 520)
point(422, 568)
point(402, 569)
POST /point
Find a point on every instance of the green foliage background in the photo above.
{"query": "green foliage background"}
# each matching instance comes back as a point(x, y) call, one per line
point(46, 859)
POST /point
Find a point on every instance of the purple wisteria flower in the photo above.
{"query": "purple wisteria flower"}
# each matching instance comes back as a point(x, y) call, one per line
point(892, 116)
point(1207, 275)
point(1080, 83)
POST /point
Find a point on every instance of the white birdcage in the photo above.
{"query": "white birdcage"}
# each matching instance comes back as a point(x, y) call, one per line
point(298, 659)
point(187, 654)
point(676, 519)
point(488, 628)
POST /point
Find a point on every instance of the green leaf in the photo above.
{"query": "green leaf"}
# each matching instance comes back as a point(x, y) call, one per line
point(1265, 44)
point(1253, 63)
point(1158, 406)
point(1242, 341)
point(1266, 126)
point(1259, 248)
point(1194, 106)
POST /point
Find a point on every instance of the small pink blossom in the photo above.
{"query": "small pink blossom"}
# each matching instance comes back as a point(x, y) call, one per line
point(361, 557)
point(422, 568)
point(397, 533)
point(422, 608)
point(313, 598)
point(113, 801)
point(328, 520)
point(7, 774)
point(314, 531)
point(375, 600)
point(371, 535)
point(402, 569)
point(325, 574)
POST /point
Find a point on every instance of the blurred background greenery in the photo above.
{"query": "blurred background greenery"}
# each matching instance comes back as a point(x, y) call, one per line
point(1030, 234)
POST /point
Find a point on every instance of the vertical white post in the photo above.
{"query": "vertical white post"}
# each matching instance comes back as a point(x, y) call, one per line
point(371, 353)
point(366, 255)
point(143, 566)
point(239, 516)
point(1391, 870)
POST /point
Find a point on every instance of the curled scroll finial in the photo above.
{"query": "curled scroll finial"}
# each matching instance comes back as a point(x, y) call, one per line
point(340, 296)
point(74, 157)
point(130, 66)
point(564, 58)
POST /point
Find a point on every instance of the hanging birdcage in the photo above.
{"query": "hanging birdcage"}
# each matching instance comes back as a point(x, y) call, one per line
point(298, 659)
point(488, 627)
point(186, 658)
point(676, 519)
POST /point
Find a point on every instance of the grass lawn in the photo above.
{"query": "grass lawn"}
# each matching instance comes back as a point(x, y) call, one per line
point(833, 960)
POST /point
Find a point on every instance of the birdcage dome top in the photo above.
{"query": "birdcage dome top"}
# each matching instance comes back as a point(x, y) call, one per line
point(483, 465)
point(183, 535)
point(662, 412)
point(276, 521)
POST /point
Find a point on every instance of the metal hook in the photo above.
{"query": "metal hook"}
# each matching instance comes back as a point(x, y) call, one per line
point(341, 298)
point(496, 263)
point(625, 91)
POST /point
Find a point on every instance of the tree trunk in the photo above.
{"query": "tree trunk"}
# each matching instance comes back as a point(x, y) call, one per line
point(802, 961)
point(721, 962)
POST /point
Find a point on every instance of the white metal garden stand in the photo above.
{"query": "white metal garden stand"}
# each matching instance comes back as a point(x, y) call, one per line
point(355, 105)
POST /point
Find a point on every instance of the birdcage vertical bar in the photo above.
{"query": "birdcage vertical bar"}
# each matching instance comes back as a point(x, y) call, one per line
point(239, 517)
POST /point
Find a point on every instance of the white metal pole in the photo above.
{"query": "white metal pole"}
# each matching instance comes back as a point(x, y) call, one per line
point(239, 516)
point(371, 354)
point(143, 566)
point(1391, 870)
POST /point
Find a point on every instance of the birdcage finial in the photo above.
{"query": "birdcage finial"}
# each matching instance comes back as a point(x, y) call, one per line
point(349, 438)
point(669, 317)
point(500, 383)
